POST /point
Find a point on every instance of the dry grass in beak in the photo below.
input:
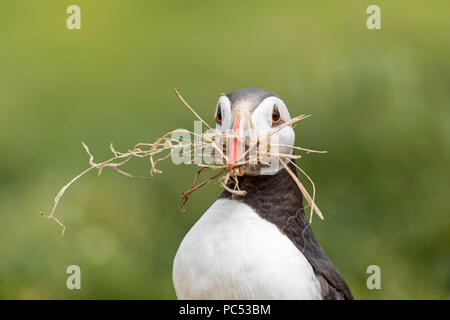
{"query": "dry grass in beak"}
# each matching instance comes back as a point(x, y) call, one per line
point(161, 150)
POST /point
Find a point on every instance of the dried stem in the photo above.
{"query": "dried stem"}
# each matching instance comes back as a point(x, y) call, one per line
point(186, 195)
point(304, 192)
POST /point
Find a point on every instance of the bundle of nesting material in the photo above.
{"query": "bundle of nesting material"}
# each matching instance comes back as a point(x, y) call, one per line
point(226, 175)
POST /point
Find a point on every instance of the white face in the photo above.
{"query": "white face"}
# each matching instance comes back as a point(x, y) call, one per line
point(266, 117)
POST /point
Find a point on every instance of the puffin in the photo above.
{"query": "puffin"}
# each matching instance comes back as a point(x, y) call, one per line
point(257, 246)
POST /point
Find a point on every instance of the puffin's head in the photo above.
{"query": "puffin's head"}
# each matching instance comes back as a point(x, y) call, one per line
point(248, 116)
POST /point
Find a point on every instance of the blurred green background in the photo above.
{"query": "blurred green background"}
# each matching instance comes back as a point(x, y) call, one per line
point(379, 102)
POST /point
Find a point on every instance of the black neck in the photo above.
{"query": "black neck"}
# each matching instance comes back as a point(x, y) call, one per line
point(274, 197)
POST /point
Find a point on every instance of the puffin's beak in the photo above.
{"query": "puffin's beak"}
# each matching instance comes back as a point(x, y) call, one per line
point(242, 131)
point(235, 143)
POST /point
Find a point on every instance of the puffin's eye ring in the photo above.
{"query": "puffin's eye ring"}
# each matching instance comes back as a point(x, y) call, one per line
point(276, 116)
point(219, 115)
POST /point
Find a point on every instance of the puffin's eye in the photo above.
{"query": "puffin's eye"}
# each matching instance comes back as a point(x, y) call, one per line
point(219, 115)
point(276, 116)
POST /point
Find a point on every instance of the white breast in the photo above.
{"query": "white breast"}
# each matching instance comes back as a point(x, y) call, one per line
point(232, 253)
